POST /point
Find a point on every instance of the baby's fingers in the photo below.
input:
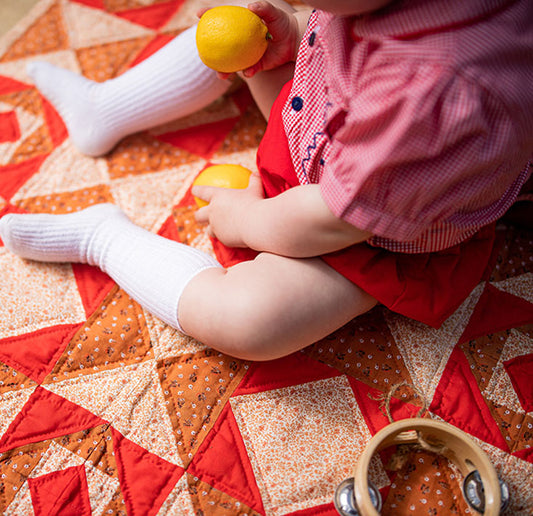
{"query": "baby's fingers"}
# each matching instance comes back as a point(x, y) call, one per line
point(202, 11)
point(202, 215)
point(204, 192)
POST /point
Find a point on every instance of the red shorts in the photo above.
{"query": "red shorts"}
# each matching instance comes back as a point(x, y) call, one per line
point(427, 287)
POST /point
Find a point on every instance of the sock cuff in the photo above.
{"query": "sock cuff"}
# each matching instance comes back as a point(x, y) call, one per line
point(150, 268)
point(176, 323)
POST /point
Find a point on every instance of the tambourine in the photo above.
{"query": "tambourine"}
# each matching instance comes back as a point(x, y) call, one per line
point(482, 489)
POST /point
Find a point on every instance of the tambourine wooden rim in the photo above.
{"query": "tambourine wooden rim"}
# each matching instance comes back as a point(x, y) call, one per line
point(455, 445)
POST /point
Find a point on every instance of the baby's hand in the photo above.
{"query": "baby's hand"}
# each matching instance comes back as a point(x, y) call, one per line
point(283, 27)
point(227, 210)
point(285, 32)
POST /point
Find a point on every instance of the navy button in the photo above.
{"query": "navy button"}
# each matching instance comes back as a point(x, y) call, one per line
point(297, 103)
point(312, 39)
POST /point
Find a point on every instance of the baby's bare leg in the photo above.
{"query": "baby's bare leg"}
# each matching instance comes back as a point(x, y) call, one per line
point(258, 310)
point(269, 307)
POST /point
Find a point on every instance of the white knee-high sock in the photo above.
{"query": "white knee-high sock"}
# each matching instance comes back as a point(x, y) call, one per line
point(170, 84)
point(151, 269)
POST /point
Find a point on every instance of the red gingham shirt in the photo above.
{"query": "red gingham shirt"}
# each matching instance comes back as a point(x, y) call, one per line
point(418, 122)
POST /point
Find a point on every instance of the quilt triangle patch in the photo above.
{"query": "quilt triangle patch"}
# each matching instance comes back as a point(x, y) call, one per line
point(222, 462)
point(37, 143)
point(169, 229)
point(525, 454)
point(459, 401)
point(145, 479)
point(46, 416)
point(124, 344)
point(102, 62)
point(152, 16)
point(18, 460)
point(13, 176)
point(519, 371)
point(34, 354)
point(202, 140)
point(9, 85)
point(209, 378)
point(489, 317)
point(293, 369)
point(9, 127)
point(90, 27)
point(93, 286)
point(97, 4)
point(63, 492)
point(369, 401)
point(32, 41)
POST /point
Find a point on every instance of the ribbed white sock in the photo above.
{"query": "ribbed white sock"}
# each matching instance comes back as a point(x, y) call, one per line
point(150, 268)
point(170, 84)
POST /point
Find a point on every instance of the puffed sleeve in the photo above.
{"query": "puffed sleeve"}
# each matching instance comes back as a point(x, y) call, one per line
point(421, 145)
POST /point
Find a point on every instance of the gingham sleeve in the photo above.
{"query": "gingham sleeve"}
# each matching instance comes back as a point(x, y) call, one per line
point(421, 147)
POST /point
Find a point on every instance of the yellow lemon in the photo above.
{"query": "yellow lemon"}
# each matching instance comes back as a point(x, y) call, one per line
point(231, 38)
point(222, 176)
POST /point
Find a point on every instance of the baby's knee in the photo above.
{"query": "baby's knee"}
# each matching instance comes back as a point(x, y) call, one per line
point(246, 333)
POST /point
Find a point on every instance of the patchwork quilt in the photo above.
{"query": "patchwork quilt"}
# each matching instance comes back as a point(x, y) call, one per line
point(106, 410)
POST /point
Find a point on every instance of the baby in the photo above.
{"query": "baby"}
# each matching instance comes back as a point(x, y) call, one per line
point(398, 133)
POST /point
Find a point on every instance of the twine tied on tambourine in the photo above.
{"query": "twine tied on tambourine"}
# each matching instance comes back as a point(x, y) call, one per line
point(483, 491)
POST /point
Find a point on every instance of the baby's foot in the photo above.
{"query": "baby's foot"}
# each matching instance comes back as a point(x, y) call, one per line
point(81, 104)
point(56, 238)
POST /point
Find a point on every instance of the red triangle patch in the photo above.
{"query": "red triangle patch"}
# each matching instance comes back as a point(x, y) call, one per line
point(202, 140)
point(519, 371)
point(152, 16)
point(369, 402)
point(169, 229)
point(525, 454)
point(286, 371)
point(186, 200)
point(459, 401)
point(13, 176)
point(222, 462)
point(93, 286)
point(145, 479)
point(35, 354)
point(46, 416)
point(9, 85)
point(488, 316)
point(97, 4)
point(9, 127)
point(61, 492)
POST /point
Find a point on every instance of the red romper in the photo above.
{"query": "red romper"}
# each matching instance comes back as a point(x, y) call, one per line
point(399, 118)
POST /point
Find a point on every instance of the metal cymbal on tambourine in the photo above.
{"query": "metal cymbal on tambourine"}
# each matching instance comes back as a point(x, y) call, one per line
point(482, 489)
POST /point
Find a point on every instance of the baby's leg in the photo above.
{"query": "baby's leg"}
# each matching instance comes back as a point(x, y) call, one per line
point(170, 84)
point(256, 310)
point(269, 307)
point(152, 269)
